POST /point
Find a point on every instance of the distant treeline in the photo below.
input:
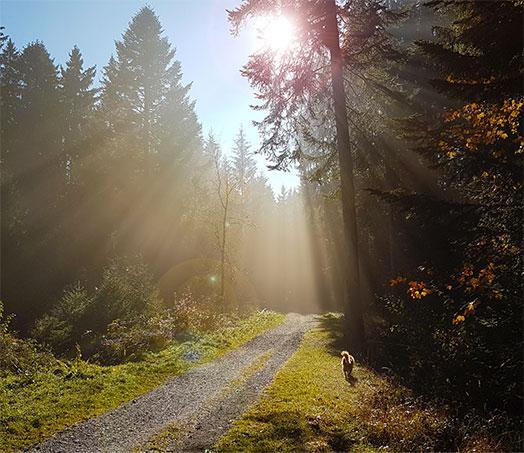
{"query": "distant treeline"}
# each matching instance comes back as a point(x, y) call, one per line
point(100, 179)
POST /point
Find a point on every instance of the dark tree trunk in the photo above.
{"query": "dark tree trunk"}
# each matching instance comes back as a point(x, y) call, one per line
point(223, 252)
point(353, 304)
point(391, 184)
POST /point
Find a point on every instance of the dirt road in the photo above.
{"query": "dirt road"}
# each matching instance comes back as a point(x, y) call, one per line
point(191, 411)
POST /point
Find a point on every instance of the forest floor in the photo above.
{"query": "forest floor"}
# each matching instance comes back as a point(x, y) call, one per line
point(192, 411)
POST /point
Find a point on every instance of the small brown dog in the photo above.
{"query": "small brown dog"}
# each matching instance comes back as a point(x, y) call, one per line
point(347, 363)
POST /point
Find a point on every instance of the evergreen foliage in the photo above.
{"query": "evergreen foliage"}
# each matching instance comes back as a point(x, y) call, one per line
point(468, 286)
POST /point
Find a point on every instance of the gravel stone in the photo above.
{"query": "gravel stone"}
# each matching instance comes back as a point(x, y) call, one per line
point(204, 401)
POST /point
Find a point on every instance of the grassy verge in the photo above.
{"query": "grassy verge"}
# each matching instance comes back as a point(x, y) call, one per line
point(310, 407)
point(33, 408)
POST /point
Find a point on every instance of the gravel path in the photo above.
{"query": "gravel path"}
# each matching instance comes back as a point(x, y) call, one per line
point(198, 405)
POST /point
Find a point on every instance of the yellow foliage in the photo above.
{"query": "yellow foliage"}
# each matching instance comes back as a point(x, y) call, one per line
point(418, 290)
point(458, 319)
point(397, 281)
point(469, 310)
point(476, 125)
point(484, 278)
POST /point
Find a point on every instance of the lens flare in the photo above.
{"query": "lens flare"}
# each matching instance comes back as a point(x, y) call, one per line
point(277, 33)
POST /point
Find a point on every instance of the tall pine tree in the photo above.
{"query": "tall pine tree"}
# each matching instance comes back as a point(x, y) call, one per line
point(153, 139)
point(78, 102)
point(31, 158)
point(244, 164)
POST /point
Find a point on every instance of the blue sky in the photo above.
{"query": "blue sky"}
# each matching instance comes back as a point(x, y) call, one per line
point(211, 57)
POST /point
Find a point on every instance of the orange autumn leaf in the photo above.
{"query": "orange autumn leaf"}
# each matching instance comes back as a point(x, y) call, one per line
point(397, 281)
point(458, 319)
point(418, 290)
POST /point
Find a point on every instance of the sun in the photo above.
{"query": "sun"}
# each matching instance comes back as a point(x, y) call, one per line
point(278, 33)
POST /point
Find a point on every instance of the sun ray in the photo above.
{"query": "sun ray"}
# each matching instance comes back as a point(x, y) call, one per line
point(277, 33)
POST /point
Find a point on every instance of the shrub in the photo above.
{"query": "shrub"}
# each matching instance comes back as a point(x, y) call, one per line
point(64, 326)
point(126, 292)
point(125, 296)
point(127, 340)
point(17, 355)
point(197, 313)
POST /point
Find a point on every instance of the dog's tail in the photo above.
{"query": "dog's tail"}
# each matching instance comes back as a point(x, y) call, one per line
point(345, 354)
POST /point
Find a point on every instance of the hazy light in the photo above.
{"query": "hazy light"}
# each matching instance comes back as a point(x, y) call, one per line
point(213, 279)
point(277, 33)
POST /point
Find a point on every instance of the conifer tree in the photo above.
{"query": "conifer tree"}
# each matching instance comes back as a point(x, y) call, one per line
point(153, 136)
point(293, 90)
point(77, 103)
point(10, 86)
point(12, 215)
point(39, 109)
point(142, 90)
point(32, 159)
point(244, 165)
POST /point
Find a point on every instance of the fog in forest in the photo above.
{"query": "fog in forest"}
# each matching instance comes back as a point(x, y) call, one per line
point(136, 219)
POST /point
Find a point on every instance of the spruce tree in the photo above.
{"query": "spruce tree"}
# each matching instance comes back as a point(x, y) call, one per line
point(77, 98)
point(13, 214)
point(32, 159)
point(243, 162)
point(152, 139)
point(10, 88)
point(142, 91)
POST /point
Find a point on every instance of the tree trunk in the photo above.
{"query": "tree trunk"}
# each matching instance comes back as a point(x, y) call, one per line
point(223, 249)
point(391, 184)
point(353, 304)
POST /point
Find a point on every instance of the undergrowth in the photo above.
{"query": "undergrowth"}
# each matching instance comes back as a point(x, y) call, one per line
point(33, 406)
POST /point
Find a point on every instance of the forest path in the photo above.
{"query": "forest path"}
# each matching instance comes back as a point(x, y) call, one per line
point(191, 411)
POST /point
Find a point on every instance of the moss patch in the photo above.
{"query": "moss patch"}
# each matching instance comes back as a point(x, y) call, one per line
point(35, 407)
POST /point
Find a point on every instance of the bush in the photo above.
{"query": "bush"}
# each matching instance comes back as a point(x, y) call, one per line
point(126, 292)
point(470, 355)
point(129, 339)
point(122, 319)
point(197, 313)
point(65, 325)
point(17, 355)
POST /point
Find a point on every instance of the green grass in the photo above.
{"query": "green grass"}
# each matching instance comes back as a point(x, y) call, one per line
point(33, 408)
point(310, 407)
point(162, 439)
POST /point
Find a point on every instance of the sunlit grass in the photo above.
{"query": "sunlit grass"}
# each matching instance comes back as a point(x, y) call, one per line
point(310, 407)
point(33, 408)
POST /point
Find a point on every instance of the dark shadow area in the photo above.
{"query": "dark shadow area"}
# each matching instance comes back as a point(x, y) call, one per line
point(333, 324)
point(352, 380)
point(459, 419)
